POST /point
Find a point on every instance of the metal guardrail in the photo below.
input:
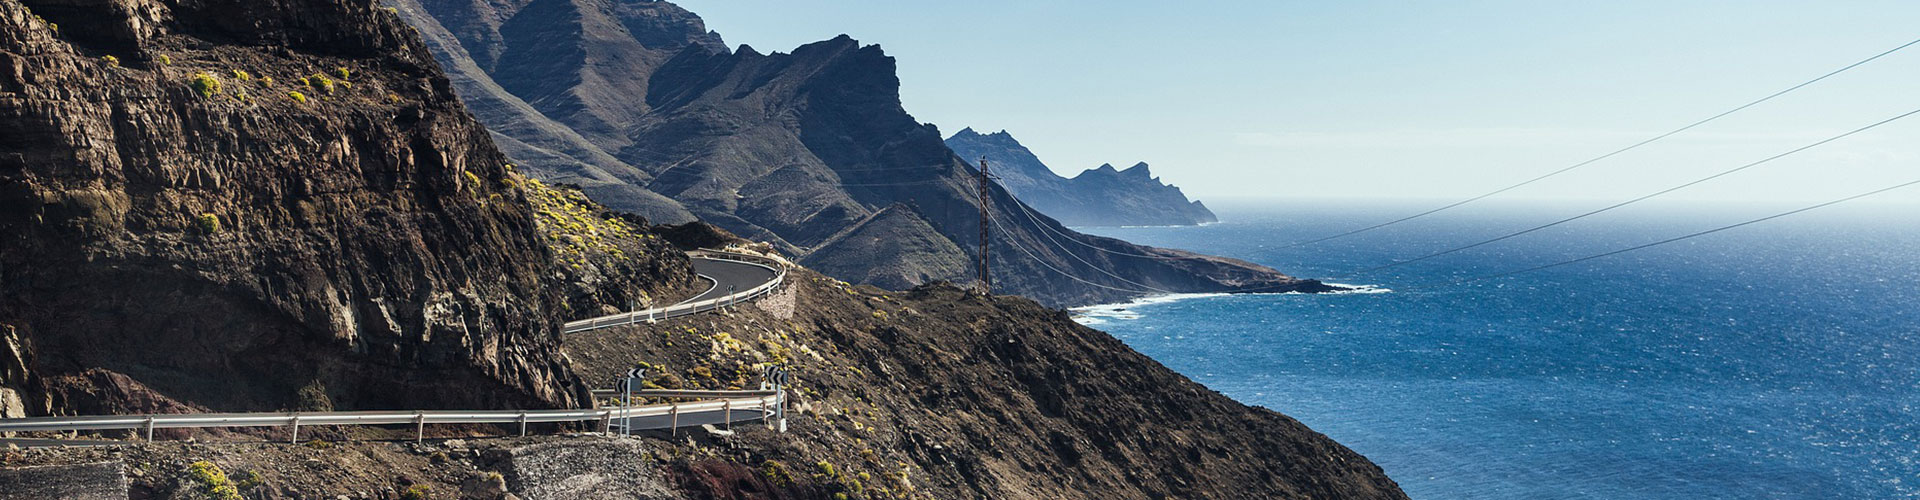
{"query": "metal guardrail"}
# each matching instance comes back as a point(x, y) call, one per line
point(767, 404)
point(689, 393)
point(678, 310)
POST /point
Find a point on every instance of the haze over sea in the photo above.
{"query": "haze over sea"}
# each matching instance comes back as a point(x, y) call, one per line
point(1780, 360)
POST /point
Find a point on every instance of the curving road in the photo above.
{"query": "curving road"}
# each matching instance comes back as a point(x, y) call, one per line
point(734, 279)
point(728, 277)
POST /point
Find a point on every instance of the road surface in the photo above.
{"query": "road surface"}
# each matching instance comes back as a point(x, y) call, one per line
point(732, 281)
point(728, 277)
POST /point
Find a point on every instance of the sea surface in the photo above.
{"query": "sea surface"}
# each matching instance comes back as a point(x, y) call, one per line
point(1779, 360)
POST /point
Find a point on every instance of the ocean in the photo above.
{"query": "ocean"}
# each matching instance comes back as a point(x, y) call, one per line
point(1779, 360)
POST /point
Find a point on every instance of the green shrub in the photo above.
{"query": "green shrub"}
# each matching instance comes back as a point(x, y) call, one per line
point(266, 81)
point(472, 180)
point(826, 469)
point(211, 482)
point(250, 480)
point(776, 473)
point(110, 60)
point(297, 97)
point(320, 83)
point(55, 27)
point(208, 223)
point(242, 75)
point(165, 60)
point(344, 73)
point(417, 492)
point(319, 444)
point(205, 85)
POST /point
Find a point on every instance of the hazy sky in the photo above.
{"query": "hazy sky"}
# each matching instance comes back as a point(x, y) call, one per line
point(1400, 99)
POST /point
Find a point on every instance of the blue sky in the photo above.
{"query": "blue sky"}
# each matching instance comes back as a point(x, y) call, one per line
point(1400, 99)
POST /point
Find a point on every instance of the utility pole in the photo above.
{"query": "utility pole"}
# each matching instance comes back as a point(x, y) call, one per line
point(986, 277)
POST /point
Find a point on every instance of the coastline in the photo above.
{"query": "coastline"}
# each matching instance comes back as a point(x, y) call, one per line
point(1098, 314)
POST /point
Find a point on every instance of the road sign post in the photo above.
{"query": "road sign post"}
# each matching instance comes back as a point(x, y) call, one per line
point(626, 398)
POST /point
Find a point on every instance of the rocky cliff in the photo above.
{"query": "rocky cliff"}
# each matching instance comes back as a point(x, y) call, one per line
point(1100, 196)
point(253, 205)
point(801, 149)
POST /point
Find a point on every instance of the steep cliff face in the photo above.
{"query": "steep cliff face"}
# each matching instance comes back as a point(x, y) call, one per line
point(220, 203)
point(794, 149)
point(1100, 196)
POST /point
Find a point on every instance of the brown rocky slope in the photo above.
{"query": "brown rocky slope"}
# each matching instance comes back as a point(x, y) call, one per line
point(251, 205)
point(942, 393)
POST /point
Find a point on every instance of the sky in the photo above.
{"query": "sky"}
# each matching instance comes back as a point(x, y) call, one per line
point(1298, 99)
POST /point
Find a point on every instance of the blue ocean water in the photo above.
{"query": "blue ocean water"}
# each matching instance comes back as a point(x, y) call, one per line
point(1779, 360)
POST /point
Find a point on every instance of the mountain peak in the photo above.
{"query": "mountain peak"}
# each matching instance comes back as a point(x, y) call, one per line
point(1138, 169)
point(999, 139)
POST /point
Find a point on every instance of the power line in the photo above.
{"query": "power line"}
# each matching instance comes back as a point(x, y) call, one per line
point(1043, 263)
point(1063, 248)
point(1678, 238)
point(1608, 155)
point(1722, 173)
point(1030, 213)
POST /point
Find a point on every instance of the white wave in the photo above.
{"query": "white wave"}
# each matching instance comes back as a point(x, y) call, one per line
point(1358, 289)
point(1100, 313)
point(1125, 310)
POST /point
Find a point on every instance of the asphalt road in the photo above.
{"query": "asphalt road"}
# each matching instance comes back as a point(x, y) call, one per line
point(728, 277)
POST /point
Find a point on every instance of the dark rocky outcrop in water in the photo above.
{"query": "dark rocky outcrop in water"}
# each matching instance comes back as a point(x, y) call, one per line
point(253, 205)
point(802, 150)
point(1100, 196)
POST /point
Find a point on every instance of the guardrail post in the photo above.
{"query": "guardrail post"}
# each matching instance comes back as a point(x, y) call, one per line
point(673, 413)
point(729, 414)
point(606, 422)
point(523, 424)
point(419, 428)
point(295, 439)
point(149, 428)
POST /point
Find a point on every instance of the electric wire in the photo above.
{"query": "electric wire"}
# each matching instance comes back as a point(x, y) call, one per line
point(1043, 263)
point(1632, 201)
point(1608, 155)
point(1030, 213)
point(1064, 249)
point(1676, 238)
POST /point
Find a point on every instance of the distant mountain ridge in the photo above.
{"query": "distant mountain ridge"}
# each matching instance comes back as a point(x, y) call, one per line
point(810, 151)
point(1100, 196)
